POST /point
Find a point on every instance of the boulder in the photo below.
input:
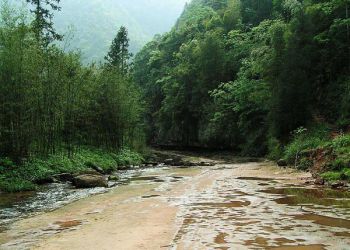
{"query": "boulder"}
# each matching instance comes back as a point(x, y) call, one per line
point(89, 181)
point(282, 163)
point(319, 181)
point(46, 180)
point(113, 178)
point(98, 169)
point(64, 177)
point(95, 167)
point(169, 161)
point(338, 184)
point(88, 171)
point(206, 164)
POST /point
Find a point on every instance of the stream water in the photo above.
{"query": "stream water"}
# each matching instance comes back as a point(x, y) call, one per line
point(52, 196)
point(231, 213)
point(263, 213)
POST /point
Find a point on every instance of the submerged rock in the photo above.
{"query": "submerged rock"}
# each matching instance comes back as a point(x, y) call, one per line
point(89, 181)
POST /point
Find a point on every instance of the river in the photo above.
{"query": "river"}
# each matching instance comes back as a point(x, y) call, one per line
point(226, 206)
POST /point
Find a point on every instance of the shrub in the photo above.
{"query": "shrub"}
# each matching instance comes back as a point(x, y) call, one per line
point(341, 141)
point(275, 149)
point(331, 176)
point(304, 140)
point(13, 185)
point(128, 157)
point(22, 178)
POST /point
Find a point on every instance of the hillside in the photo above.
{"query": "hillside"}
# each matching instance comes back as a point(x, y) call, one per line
point(92, 28)
point(258, 77)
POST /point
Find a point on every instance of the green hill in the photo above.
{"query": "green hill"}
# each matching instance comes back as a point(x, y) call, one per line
point(91, 25)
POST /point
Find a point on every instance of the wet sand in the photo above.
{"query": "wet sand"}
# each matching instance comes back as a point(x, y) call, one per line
point(227, 206)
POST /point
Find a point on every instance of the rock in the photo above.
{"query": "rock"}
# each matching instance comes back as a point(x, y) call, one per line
point(169, 161)
point(89, 181)
point(338, 184)
point(113, 178)
point(319, 181)
point(45, 180)
point(98, 169)
point(65, 177)
point(206, 164)
point(95, 167)
point(152, 164)
point(282, 163)
point(89, 171)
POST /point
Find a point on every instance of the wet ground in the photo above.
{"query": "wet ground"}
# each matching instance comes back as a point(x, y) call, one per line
point(264, 213)
point(17, 206)
point(227, 206)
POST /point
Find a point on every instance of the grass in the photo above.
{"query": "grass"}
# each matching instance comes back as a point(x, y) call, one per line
point(305, 140)
point(336, 152)
point(25, 177)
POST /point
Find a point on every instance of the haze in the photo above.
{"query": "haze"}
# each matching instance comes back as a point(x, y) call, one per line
point(96, 22)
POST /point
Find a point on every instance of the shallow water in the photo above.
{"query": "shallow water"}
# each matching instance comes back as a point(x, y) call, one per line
point(218, 210)
point(263, 213)
point(52, 196)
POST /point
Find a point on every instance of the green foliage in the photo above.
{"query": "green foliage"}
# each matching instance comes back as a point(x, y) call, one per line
point(341, 141)
point(24, 177)
point(275, 149)
point(118, 55)
point(13, 185)
point(50, 102)
point(52, 107)
point(305, 140)
point(244, 74)
point(332, 176)
point(127, 157)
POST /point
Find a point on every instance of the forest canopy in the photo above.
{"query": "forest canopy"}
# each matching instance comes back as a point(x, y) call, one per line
point(247, 74)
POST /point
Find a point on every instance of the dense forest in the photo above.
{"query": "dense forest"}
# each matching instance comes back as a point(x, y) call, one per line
point(267, 77)
point(57, 115)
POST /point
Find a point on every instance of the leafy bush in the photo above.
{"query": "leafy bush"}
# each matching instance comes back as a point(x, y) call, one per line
point(341, 141)
point(304, 164)
point(16, 184)
point(128, 157)
point(275, 149)
point(304, 140)
point(23, 177)
point(331, 176)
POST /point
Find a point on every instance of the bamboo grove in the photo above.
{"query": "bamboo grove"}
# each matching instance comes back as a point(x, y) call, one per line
point(49, 102)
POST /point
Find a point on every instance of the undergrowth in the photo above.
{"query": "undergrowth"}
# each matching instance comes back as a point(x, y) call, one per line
point(27, 176)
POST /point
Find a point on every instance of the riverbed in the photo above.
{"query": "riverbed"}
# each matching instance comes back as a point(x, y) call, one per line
point(226, 206)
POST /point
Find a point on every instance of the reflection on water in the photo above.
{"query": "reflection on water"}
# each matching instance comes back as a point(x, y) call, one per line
point(310, 196)
point(227, 213)
point(262, 213)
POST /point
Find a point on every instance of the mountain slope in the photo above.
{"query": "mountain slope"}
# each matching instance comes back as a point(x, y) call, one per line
point(95, 22)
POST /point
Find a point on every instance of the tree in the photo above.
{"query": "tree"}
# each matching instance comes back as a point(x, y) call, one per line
point(118, 55)
point(43, 25)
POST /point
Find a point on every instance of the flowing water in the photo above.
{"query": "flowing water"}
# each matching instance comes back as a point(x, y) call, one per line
point(218, 209)
point(17, 206)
